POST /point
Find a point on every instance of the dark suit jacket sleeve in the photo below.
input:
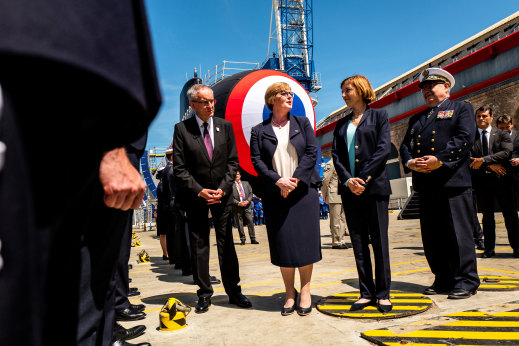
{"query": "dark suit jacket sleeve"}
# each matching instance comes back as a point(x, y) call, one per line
point(248, 190)
point(405, 147)
point(515, 152)
point(342, 172)
point(377, 162)
point(504, 143)
point(306, 164)
point(181, 172)
point(255, 154)
point(232, 161)
point(458, 147)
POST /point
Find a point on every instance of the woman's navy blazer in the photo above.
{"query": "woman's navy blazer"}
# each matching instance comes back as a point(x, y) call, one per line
point(372, 149)
point(263, 144)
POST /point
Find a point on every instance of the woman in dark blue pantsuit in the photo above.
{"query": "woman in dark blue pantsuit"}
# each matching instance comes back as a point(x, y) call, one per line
point(284, 152)
point(361, 146)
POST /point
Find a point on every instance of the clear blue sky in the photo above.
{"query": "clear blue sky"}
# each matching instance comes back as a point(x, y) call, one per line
point(380, 39)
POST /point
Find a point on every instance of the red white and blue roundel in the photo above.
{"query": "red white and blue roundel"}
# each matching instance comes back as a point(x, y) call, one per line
point(246, 107)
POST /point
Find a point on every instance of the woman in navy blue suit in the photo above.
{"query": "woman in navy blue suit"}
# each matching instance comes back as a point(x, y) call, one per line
point(361, 147)
point(284, 152)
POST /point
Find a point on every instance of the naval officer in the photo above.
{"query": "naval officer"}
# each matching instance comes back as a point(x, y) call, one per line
point(436, 148)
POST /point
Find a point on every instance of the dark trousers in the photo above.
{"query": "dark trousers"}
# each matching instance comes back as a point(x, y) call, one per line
point(244, 214)
point(487, 190)
point(478, 232)
point(367, 218)
point(446, 221)
point(198, 221)
point(121, 276)
point(182, 251)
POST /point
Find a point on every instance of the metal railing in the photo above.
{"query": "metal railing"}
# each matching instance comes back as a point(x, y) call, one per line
point(226, 69)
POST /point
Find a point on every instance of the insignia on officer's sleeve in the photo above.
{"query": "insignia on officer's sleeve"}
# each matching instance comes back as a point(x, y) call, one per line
point(425, 73)
point(412, 131)
point(411, 145)
point(445, 114)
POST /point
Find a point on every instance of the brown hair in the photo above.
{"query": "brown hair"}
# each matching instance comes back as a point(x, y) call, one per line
point(272, 91)
point(363, 87)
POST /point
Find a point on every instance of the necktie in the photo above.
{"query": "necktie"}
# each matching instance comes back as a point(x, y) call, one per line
point(484, 141)
point(242, 193)
point(207, 141)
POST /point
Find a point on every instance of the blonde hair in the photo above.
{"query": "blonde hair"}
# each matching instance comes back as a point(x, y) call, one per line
point(363, 87)
point(272, 91)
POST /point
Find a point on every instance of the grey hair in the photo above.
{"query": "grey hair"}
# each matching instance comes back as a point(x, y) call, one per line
point(193, 91)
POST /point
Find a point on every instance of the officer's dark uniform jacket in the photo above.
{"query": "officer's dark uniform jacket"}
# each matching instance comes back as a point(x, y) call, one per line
point(448, 134)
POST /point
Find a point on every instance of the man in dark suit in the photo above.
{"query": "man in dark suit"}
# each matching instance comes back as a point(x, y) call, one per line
point(436, 148)
point(205, 163)
point(241, 198)
point(505, 122)
point(492, 178)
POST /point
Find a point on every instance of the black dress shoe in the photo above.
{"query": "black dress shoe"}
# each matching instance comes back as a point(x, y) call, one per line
point(488, 254)
point(434, 289)
point(292, 309)
point(214, 280)
point(384, 308)
point(130, 266)
point(304, 311)
point(240, 300)
point(129, 315)
point(133, 293)
point(242, 242)
point(203, 305)
point(480, 245)
point(165, 258)
point(254, 241)
point(187, 272)
point(133, 289)
point(516, 253)
point(124, 343)
point(138, 307)
point(359, 306)
point(122, 333)
point(460, 293)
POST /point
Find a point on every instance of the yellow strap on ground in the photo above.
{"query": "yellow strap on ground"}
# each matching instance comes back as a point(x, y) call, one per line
point(448, 334)
point(484, 314)
point(357, 294)
point(368, 315)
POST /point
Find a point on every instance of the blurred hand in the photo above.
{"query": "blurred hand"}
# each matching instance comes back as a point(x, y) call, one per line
point(286, 184)
point(476, 162)
point(122, 184)
point(432, 162)
point(514, 162)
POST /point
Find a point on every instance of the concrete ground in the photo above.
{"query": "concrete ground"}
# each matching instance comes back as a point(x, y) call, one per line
point(261, 282)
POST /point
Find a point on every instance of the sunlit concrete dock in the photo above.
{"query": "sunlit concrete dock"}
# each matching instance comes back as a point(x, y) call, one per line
point(225, 324)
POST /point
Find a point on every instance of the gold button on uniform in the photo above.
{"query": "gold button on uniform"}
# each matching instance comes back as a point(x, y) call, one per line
point(433, 132)
point(419, 136)
point(432, 140)
point(418, 151)
point(432, 149)
point(356, 160)
point(418, 143)
point(356, 147)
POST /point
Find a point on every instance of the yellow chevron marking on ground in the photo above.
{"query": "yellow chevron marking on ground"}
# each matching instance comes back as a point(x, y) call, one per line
point(448, 334)
point(356, 294)
point(498, 270)
point(483, 324)
point(417, 344)
point(499, 286)
point(333, 300)
point(411, 271)
point(375, 315)
point(484, 314)
point(395, 308)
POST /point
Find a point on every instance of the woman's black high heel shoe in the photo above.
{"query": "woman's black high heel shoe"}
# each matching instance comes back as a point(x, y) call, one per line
point(292, 309)
point(360, 306)
point(384, 308)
